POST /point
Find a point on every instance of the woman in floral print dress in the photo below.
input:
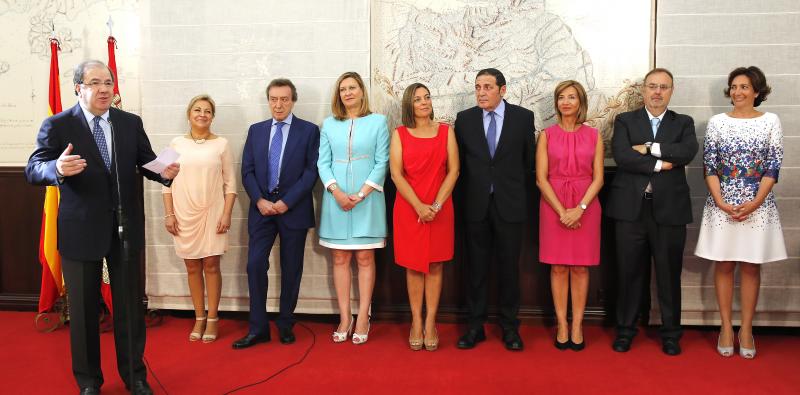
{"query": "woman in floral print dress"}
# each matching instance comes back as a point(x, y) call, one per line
point(742, 157)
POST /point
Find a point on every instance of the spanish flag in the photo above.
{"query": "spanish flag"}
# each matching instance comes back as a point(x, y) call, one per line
point(52, 281)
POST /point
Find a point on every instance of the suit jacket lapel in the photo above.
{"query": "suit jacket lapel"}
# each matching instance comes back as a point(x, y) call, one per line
point(263, 146)
point(643, 127)
point(507, 117)
point(480, 133)
point(665, 127)
point(291, 143)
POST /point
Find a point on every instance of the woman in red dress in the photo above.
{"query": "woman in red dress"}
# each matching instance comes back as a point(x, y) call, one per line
point(423, 159)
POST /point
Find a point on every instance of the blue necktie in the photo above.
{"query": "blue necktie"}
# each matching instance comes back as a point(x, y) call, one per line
point(100, 139)
point(654, 122)
point(275, 156)
point(491, 135)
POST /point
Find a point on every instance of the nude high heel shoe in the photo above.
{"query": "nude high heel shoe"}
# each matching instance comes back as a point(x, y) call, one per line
point(197, 332)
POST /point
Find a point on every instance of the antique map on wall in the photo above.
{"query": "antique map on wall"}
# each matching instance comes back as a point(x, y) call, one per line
point(80, 27)
point(606, 46)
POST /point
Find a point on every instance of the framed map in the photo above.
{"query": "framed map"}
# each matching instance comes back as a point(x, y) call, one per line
point(606, 46)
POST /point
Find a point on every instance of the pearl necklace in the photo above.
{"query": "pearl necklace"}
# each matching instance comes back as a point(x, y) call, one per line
point(196, 141)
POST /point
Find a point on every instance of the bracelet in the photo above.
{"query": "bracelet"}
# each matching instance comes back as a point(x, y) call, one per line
point(169, 215)
point(436, 206)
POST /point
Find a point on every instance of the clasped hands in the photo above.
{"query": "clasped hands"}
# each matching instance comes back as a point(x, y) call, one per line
point(739, 212)
point(642, 149)
point(345, 201)
point(267, 208)
point(571, 217)
point(425, 213)
point(70, 165)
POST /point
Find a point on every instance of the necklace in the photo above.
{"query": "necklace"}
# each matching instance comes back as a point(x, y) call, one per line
point(196, 141)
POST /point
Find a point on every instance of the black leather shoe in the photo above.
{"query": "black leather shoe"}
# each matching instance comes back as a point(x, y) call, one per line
point(90, 391)
point(471, 338)
point(671, 347)
point(286, 335)
point(140, 387)
point(250, 340)
point(512, 340)
point(622, 343)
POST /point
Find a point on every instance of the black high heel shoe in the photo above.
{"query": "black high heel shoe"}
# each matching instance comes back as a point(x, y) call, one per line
point(562, 346)
point(577, 346)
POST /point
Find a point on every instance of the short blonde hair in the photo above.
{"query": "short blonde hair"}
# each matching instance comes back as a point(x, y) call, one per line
point(407, 105)
point(204, 97)
point(337, 107)
point(583, 109)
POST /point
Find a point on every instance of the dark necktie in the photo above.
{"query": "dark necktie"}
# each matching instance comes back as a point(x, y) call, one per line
point(491, 134)
point(275, 156)
point(100, 139)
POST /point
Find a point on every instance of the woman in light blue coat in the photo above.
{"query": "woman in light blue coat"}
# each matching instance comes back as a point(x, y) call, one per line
point(353, 161)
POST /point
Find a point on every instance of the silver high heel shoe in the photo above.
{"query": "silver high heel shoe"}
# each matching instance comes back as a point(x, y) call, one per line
point(340, 337)
point(747, 353)
point(724, 351)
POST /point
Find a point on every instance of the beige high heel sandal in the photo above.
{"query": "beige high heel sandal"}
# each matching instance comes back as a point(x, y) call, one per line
point(197, 333)
point(210, 337)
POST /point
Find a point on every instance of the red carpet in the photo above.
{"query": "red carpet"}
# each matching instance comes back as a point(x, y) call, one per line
point(39, 363)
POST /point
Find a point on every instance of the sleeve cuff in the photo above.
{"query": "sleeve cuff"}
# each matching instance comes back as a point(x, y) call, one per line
point(655, 150)
point(329, 182)
point(658, 166)
point(374, 186)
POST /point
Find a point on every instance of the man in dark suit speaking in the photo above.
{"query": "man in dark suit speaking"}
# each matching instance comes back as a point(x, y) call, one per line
point(279, 170)
point(649, 199)
point(496, 144)
point(92, 152)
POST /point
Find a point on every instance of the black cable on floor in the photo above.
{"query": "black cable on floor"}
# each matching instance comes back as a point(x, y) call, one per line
point(298, 362)
point(152, 373)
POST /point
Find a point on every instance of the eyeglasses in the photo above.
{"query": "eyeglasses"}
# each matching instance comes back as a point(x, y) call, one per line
point(663, 87)
point(97, 84)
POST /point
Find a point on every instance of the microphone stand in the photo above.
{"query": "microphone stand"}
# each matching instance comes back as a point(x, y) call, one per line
point(124, 248)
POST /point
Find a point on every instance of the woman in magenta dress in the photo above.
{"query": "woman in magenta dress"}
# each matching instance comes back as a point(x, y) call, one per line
point(569, 173)
point(423, 159)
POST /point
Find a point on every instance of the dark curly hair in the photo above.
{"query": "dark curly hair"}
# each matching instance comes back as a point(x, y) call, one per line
point(757, 79)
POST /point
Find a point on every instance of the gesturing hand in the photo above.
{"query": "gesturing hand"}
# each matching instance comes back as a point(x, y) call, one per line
point(69, 165)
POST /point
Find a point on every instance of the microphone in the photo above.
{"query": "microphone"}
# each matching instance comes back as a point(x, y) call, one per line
point(120, 216)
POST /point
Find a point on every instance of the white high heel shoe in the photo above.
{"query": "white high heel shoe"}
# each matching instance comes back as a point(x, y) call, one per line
point(747, 353)
point(361, 339)
point(724, 351)
point(339, 337)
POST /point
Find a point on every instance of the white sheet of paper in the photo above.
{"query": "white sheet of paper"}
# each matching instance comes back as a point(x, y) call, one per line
point(167, 157)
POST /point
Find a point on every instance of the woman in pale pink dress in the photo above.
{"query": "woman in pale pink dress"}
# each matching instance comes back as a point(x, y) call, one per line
point(569, 173)
point(197, 211)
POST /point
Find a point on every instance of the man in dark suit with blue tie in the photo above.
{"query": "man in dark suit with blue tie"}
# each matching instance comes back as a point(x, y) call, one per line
point(279, 170)
point(496, 145)
point(92, 152)
point(649, 199)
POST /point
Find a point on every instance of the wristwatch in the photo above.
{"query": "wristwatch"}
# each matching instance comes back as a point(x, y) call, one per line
point(647, 146)
point(361, 195)
point(332, 187)
point(583, 206)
